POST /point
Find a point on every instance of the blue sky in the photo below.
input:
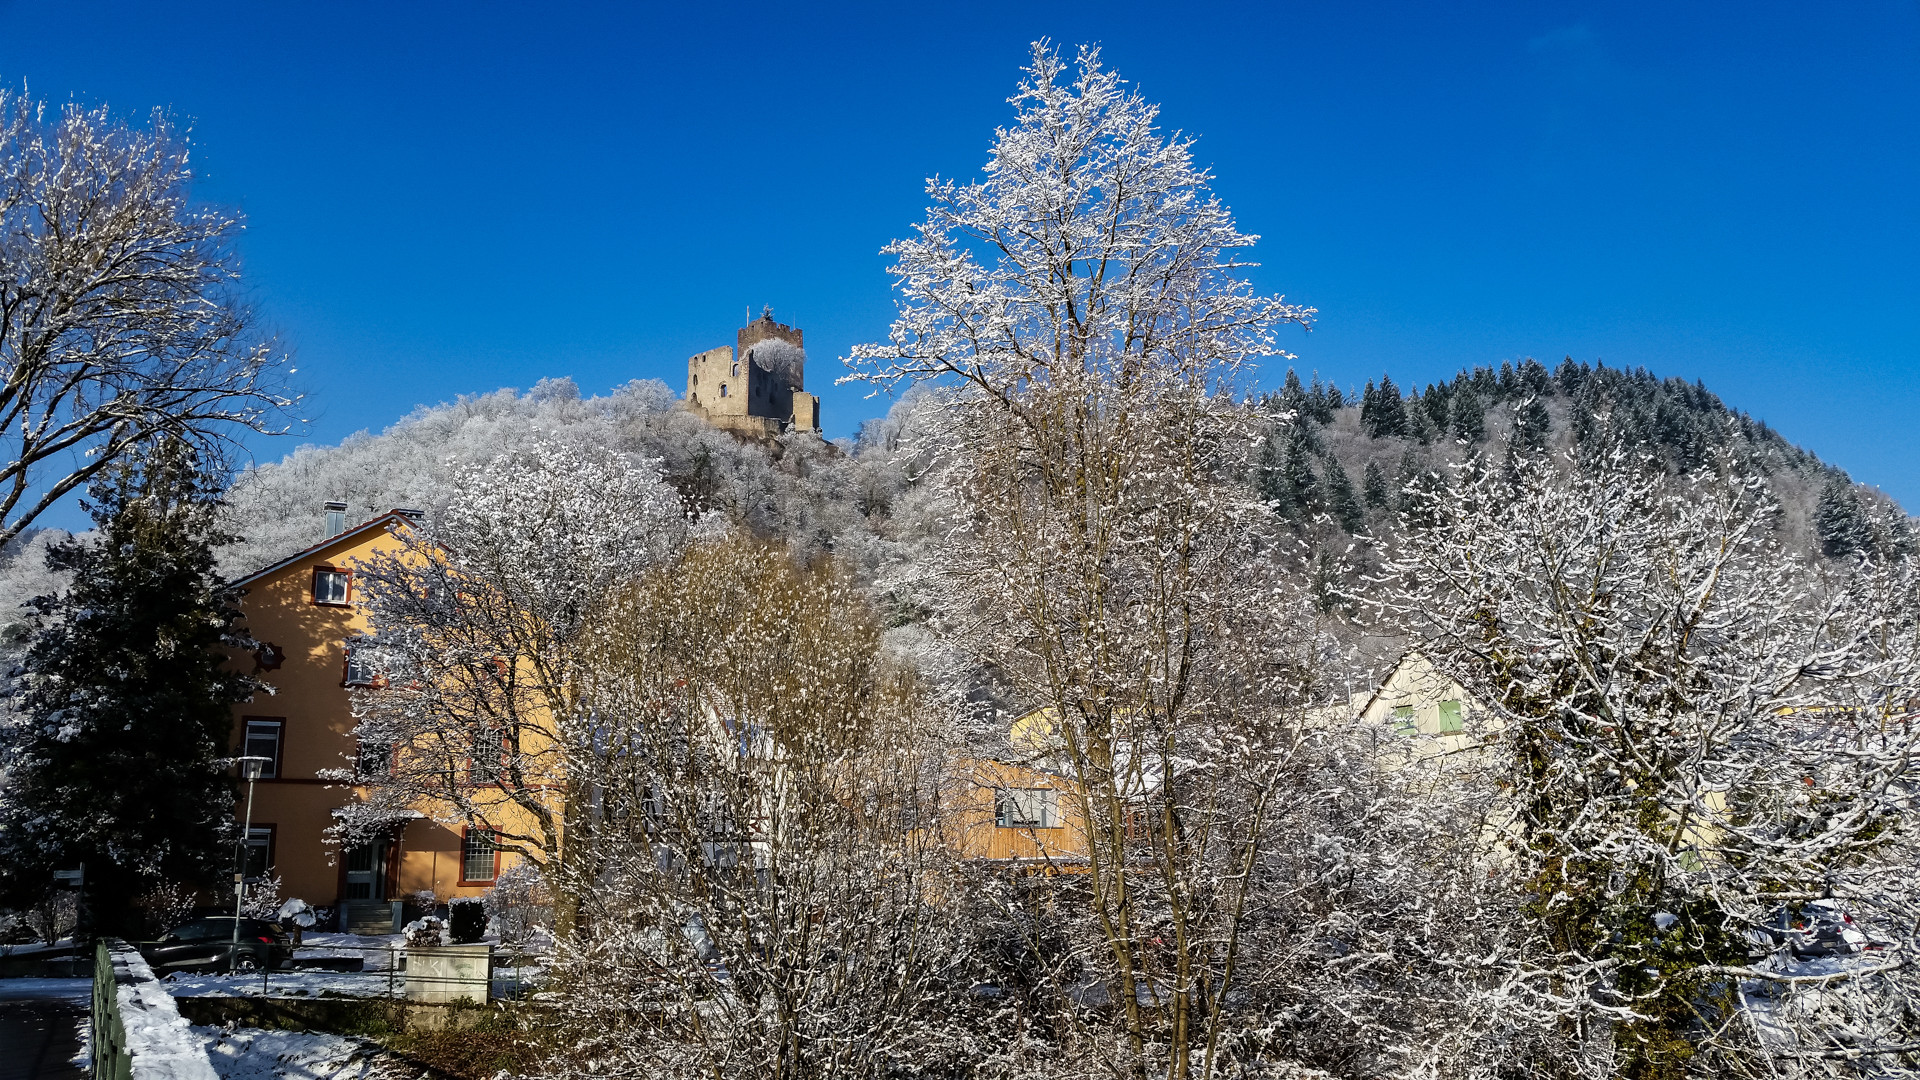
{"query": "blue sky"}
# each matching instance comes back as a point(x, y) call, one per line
point(452, 198)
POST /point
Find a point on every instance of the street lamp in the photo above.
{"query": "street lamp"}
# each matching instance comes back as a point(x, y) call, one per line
point(250, 767)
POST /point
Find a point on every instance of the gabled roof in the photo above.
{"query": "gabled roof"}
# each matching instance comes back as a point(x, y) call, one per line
point(403, 517)
point(1406, 658)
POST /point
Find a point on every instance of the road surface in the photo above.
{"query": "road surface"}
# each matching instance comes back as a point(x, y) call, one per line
point(40, 1028)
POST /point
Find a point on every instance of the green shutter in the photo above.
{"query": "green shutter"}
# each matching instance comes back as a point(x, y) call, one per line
point(1403, 725)
point(1450, 723)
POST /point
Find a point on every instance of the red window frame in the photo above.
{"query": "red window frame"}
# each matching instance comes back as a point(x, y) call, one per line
point(346, 662)
point(490, 879)
point(313, 594)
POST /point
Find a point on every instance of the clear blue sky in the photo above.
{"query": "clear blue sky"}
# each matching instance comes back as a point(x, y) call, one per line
point(453, 198)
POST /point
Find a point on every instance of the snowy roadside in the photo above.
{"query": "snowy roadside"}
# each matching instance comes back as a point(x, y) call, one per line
point(255, 1054)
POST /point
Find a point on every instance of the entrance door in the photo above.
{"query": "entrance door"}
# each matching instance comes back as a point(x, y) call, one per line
point(367, 871)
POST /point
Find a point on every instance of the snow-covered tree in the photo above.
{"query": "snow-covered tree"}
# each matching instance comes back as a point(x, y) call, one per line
point(767, 887)
point(1083, 303)
point(478, 620)
point(119, 760)
point(121, 318)
point(1696, 732)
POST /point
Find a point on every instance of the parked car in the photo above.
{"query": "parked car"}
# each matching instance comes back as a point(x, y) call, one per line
point(1820, 928)
point(205, 944)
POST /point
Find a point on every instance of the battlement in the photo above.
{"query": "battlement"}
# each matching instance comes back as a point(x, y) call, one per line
point(756, 388)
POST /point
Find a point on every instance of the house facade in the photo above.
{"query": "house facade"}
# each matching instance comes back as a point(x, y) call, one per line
point(306, 610)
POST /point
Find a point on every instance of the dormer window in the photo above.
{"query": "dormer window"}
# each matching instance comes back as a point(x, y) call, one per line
point(332, 587)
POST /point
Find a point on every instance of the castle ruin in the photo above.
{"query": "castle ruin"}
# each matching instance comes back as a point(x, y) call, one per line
point(755, 388)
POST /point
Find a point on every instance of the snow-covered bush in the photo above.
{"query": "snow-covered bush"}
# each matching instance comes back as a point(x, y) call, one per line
point(519, 905)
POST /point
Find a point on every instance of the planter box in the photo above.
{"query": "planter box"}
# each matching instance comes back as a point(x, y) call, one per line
point(450, 972)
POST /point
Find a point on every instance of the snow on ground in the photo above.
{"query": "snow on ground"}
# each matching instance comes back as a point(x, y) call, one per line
point(80, 990)
point(254, 1054)
point(375, 979)
point(286, 983)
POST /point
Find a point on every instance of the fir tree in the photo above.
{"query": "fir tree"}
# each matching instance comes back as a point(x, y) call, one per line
point(127, 709)
point(1420, 422)
point(1388, 416)
point(1434, 401)
point(1369, 409)
point(1322, 400)
point(1373, 487)
point(1468, 416)
point(1531, 426)
point(1839, 523)
point(1293, 398)
point(1341, 502)
point(1297, 491)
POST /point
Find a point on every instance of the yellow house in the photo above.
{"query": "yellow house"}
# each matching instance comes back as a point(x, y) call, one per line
point(1013, 814)
point(306, 612)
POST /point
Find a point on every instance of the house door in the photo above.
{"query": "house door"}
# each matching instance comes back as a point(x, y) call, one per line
point(367, 871)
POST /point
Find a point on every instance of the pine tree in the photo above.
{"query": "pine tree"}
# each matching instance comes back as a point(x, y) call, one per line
point(1373, 487)
point(1420, 422)
point(1320, 402)
point(1388, 416)
point(1469, 417)
point(1369, 409)
point(128, 701)
point(1341, 502)
point(1298, 489)
point(1293, 398)
point(1839, 522)
point(1434, 401)
point(1531, 426)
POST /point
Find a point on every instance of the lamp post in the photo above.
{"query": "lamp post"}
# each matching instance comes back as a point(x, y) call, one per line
point(250, 767)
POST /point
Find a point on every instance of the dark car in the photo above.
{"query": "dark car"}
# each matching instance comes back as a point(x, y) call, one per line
point(1820, 928)
point(207, 944)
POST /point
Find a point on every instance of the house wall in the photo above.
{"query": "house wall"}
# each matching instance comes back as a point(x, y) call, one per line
point(973, 816)
point(310, 696)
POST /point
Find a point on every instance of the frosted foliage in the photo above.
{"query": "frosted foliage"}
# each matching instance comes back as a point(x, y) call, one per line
point(1092, 241)
point(121, 315)
point(1696, 730)
point(784, 359)
point(476, 631)
point(765, 888)
point(814, 494)
point(1099, 550)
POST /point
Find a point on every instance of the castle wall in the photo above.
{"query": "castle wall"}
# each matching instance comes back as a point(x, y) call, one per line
point(716, 385)
point(735, 394)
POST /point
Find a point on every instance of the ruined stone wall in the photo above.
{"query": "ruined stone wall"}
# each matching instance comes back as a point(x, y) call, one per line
point(716, 385)
point(734, 393)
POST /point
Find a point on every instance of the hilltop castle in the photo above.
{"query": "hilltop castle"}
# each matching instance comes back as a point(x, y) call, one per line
point(755, 388)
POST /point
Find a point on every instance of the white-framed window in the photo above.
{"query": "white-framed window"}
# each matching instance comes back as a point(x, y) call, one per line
point(1027, 808)
point(479, 856)
point(332, 586)
point(488, 757)
point(264, 736)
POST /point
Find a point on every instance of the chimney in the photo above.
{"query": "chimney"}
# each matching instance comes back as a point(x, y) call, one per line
point(336, 519)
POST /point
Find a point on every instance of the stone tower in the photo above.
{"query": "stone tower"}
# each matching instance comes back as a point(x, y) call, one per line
point(755, 388)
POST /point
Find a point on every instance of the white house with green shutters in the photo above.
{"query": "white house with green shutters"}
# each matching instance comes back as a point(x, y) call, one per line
point(1423, 711)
